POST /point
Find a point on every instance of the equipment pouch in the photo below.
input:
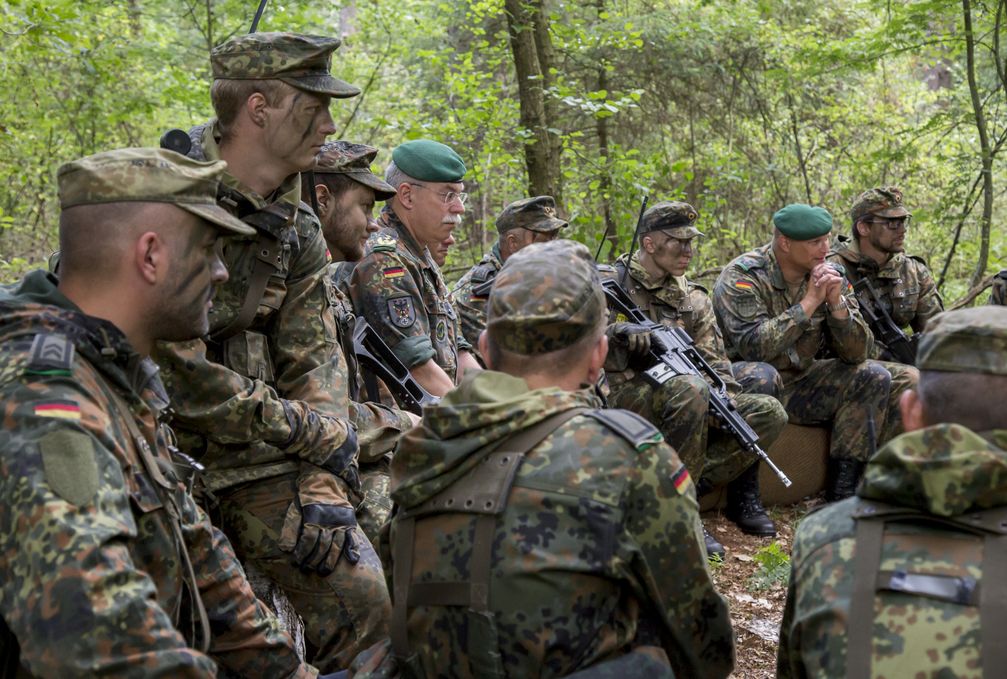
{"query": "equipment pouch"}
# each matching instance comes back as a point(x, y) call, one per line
point(247, 353)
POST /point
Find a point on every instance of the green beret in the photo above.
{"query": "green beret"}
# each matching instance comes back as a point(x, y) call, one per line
point(146, 175)
point(301, 61)
point(965, 341)
point(535, 214)
point(803, 222)
point(545, 298)
point(429, 161)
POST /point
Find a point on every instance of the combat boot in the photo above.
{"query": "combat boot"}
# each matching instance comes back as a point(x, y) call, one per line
point(845, 474)
point(713, 548)
point(744, 507)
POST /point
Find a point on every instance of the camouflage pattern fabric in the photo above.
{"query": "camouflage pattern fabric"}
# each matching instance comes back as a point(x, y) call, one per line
point(903, 283)
point(258, 405)
point(472, 307)
point(945, 470)
point(598, 551)
point(92, 580)
point(763, 321)
point(998, 295)
point(680, 407)
point(401, 293)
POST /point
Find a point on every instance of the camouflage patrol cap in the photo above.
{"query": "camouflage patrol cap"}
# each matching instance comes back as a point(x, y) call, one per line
point(545, 298)
point(966, 340)
point(535, 214)
point(143, 175)
point(354, 161)
point(301, 61)
point(883, 201)
point(673, 216)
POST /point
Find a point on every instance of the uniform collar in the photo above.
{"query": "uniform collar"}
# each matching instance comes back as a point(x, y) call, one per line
point(420, 252)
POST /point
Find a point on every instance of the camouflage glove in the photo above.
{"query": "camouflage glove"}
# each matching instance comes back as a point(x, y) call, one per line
point(320, 524)
point(634, 337)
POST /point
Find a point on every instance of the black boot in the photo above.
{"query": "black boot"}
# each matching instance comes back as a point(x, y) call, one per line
point(845, 474)
point(713, 548)
point(745, 508)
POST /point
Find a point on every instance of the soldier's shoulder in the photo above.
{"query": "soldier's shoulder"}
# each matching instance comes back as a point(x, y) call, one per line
point(918, 263)
point(1001, 275)
point(41, 353)
point(384, 240)
point(483, 271)
point(749, 262)
point(698, 290)
point(823, 526)
point(627, 426)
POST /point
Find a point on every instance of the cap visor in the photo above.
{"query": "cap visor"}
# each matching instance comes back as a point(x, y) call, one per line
point(323, 84)
point(893, 212)
point(218, 216)
point(382, 189)
point(547, 226)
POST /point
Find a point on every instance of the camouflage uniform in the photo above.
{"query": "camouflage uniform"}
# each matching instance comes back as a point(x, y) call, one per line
point(594, 550)
point(108, 566)
point(401, 293)
point(763, 321)
point(922, 619)
point(681, 405)
point(265, 408)
point(998, 295)
point(470, 305)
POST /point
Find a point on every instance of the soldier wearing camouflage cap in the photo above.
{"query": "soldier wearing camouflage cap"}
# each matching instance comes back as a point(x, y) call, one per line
point(782, 304)
point(523, 222)
point(108, 565)
point(905, 579)
point(523, 450)
point(263, 398)
point(998, 295)
point(654, 278)
point(398, 286)
point(904, 286)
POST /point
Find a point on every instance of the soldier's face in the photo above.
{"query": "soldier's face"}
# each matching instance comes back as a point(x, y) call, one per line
point(297, 127)
point(351, 222)
point(434, 217)
point(887, 240)
point(673, 255)
point(807, 254)
point(195, 270)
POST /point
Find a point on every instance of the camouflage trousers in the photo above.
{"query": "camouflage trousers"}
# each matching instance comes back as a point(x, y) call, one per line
point(903, 377)
point(680, 409)
point(375, 509)
point(852, 399)
point(345, 612)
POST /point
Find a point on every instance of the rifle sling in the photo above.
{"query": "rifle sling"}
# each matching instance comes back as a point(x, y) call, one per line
point(267, 261)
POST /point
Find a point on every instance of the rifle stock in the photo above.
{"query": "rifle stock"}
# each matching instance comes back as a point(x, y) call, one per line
point(374, 355)
point(897, 344)
point(680, 357)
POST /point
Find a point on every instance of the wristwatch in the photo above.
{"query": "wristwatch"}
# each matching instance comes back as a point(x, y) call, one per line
point(838, 307)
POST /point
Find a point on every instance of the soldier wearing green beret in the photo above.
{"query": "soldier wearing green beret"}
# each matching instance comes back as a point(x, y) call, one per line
point(523, 222)
point(654, 277)
point(903, 283)
point(905, 578)
point(262, 399)
point(109, 567)
point(998, 295)
point(397, 286)
point(781, 304)
point(538, 534)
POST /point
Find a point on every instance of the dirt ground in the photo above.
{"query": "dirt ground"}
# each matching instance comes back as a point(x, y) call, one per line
point(755, 587)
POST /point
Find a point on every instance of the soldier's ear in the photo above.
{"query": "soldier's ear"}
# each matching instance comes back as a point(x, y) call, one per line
point(325, 202)
point(911, 407)
point(255, 107)
point(648, 244)
point(598, 354)
point(150, 256)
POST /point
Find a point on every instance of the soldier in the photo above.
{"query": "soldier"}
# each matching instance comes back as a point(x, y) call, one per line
point(998, 295)
point(397, 286)
point(781, 303)
point(932, 504)
point(536, 533)
point(904, 285)
point(345, 192)
point(108, 566)
point(523, 222)
point(654, 277)
point(262, 401)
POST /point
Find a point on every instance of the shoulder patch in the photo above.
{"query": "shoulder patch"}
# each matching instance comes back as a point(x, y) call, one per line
point(482, 273)
point(749, 263)
point(1002, 275)
point(384, 243)
point(697, 286)
point(51, 354)
point(70, 466)
point(630, 426)
point(919, 259)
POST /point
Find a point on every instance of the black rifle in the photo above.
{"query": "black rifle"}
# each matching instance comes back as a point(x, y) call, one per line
point(374, 355)
point(897, 345)
point(636, 234)
point(680, 357)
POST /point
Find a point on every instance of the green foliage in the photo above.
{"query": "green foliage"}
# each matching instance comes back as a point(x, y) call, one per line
point(774, 567)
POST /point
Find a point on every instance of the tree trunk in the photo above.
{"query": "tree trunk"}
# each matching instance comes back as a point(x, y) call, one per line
point(986, 153)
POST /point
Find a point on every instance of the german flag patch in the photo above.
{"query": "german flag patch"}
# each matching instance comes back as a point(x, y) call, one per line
point(681, 480)
point(743, 285)
point(394, 272)
point(64, 410)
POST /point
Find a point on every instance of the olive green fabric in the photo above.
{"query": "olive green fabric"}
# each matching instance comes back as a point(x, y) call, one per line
point(966, 340)
point(429, 161)
point(803, 222)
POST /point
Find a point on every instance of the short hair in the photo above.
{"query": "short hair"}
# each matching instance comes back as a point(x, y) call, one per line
point(91, 237)
point(973, 400)
point(336, 183)
point(396, 177)
point(556, 363)
point(228, 96)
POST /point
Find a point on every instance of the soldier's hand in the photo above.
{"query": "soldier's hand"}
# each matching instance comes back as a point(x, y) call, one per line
point(635, 337)
point(319, 535)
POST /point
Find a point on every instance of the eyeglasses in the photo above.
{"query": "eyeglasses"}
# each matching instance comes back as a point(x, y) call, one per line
point(447, 197)
point(892, 224)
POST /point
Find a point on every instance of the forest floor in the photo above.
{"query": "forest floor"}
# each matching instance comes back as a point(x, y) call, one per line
point(753, 578)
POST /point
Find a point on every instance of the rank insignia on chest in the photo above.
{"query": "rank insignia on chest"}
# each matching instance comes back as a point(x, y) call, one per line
point(401, 311)
point(394, 272)
point(383, 243)
point(743, 285)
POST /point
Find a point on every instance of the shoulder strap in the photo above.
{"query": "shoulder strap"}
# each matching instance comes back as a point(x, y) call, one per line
point(268, 254)
point(500, 465)
point(627, 424)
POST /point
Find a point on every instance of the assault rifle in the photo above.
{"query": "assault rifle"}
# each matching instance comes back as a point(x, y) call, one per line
point(374, 354)
point(679, 356)
point(897, 345)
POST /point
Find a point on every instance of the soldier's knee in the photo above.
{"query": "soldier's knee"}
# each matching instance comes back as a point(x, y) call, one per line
point(760, 378)
point(872, 377)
